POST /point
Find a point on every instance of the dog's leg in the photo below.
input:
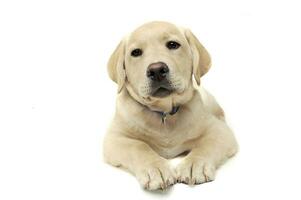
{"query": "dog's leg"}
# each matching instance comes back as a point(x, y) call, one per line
point(151, 170)
point(214, 147)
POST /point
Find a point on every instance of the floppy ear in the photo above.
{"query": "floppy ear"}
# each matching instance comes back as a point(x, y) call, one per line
point(116, 68)
point(201, 58)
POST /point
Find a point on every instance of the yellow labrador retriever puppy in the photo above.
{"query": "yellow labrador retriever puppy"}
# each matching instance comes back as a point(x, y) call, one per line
point(162, 112)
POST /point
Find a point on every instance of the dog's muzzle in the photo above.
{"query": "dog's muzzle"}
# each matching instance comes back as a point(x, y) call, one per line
point(158, 74)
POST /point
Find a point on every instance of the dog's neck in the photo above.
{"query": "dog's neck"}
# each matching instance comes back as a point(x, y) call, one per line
point(163, 115)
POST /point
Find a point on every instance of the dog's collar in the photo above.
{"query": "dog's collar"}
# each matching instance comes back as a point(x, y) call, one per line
point(173, 111)
point(163, 115)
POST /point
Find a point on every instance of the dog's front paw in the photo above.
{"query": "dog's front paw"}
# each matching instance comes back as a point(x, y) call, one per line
point(195, 171)
point(157, 175)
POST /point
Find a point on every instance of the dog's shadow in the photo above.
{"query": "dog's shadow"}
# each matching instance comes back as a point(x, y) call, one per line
point(165, 192)
point(159, 193)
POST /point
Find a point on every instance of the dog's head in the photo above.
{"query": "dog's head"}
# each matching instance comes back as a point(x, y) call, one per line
point(155, 63)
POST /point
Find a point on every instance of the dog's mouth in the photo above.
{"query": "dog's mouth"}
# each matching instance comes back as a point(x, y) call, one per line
point(162, 92)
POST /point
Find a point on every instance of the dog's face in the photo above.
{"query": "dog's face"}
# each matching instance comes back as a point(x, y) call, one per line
point(156, 62)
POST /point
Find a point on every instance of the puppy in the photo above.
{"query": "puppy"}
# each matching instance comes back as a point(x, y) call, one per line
point(162, 112)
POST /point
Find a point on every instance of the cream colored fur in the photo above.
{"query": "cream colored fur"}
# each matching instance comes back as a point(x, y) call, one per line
point(137, 139)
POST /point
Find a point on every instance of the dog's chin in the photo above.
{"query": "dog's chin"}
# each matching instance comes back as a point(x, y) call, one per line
point(162, 92)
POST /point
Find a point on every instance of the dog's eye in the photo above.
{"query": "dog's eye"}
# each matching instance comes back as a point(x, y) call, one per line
point(136, 52)
point(172, 45)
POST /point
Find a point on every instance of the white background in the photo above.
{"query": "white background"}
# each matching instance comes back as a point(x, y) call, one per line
point(56, 99)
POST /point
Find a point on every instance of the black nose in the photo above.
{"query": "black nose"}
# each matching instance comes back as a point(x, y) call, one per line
point(157, 71)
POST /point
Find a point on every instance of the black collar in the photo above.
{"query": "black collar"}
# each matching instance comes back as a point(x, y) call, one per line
point(173, 111)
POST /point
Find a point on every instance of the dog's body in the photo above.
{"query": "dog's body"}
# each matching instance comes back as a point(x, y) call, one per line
point(161, 113)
